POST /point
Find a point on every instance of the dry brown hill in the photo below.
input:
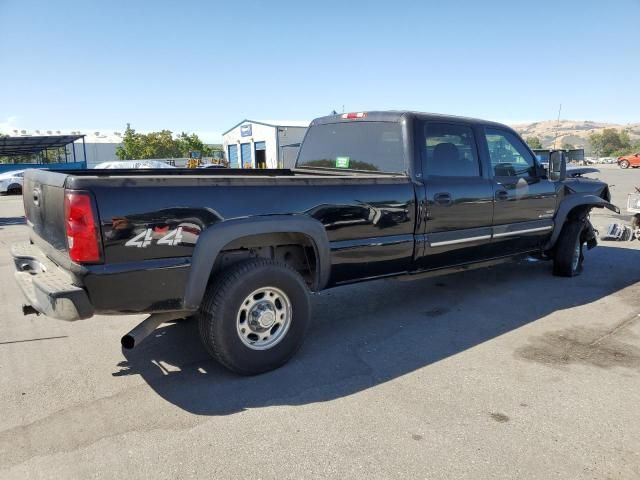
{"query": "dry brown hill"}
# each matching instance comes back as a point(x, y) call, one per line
point(575, 132)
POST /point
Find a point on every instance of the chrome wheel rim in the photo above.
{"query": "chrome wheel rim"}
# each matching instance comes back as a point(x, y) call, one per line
point(576, 256)
point(264, 318)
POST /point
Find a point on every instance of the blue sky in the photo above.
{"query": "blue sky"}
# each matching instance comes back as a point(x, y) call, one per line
point(204, 65)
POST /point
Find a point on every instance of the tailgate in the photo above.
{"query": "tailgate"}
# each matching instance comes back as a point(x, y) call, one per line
point(44, 205)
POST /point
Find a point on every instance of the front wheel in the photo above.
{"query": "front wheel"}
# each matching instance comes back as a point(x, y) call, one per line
point(568, 257)
point(624, 164)
point(254, 316)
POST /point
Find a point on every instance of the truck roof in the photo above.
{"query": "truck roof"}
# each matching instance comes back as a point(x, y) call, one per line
point(397, 115)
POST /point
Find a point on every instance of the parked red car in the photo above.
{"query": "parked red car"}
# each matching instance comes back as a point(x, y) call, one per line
point(632, 160)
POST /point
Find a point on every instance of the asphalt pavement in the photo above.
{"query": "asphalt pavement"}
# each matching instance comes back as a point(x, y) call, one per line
point(506, 372)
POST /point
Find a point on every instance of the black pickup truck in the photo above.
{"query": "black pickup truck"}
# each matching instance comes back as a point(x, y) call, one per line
point(373, 194)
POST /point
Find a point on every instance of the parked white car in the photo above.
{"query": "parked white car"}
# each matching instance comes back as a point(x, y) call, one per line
point(133, 164)
point(11, 182)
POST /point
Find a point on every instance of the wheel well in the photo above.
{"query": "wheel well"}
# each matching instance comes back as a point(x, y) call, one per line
point(579, 212)
point(295, 249)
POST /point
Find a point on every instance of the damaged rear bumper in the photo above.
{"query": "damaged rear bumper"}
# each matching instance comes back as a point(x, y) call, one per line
point(47, 287)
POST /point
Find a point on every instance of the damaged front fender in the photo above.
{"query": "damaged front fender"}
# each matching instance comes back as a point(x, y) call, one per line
point(576, 202)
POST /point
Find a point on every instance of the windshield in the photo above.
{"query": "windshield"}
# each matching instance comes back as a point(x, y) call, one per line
point(370, 146)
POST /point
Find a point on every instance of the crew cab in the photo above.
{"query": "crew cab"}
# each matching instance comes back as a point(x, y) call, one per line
point(373, 194)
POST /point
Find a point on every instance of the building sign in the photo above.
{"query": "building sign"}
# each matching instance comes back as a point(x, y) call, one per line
point(245, 130)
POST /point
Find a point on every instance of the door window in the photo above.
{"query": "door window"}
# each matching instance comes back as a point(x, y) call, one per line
point(509, 156)
point(450, 151)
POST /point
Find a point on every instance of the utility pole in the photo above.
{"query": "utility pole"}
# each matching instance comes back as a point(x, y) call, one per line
point(557, 126)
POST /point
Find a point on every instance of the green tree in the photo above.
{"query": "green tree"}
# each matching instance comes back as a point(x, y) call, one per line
point(595, 144)
point(534, 142)
point(160, 144)
point(188, 143)
point(610, 142)
point(568, 146)
point(131, 147)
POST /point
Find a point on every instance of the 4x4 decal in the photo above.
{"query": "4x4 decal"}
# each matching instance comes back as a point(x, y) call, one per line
point(144, 239)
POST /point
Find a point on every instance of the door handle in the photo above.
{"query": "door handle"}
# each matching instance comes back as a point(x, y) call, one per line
point(443, 198)
point(502, 195)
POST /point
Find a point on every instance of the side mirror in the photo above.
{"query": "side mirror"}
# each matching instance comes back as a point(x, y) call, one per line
point(557, 166)
point(541, 171)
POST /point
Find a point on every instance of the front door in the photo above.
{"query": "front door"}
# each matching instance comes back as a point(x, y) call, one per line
point(525, 203)
point(459, 196)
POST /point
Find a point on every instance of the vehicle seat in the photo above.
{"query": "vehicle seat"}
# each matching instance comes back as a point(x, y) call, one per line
point(445, 160)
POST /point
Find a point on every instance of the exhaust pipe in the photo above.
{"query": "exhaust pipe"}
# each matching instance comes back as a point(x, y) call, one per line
point(142, 331)
point(29, 310)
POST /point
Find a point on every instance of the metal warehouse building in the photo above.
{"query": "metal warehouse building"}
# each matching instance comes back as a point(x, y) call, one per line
point(263, 144)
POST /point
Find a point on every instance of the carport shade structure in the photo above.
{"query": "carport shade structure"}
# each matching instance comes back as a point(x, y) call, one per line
point(34, 145)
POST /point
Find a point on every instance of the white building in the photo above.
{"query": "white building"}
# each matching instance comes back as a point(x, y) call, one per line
point(263, 144)
point(99, 146)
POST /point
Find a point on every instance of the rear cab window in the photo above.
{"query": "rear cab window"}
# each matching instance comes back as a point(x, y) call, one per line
point(356, 146)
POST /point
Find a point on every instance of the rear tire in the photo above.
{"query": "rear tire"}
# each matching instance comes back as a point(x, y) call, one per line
point(568, 257)
point(624, 164)
point(254, 316)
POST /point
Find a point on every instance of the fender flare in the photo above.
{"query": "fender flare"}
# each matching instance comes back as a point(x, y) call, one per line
point(571, 202)
point(217, 236)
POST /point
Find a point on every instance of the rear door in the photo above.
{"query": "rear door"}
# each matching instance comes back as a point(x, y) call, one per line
point(525, 203)
point(459, 195)
point(370, 222)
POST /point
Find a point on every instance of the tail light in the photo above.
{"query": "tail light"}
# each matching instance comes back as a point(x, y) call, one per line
point(82, 228)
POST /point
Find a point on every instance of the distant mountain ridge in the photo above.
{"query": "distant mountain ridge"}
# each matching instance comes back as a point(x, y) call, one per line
point(575, 132)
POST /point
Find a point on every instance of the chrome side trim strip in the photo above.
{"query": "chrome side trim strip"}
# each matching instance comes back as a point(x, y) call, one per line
point(459, 240)
point(518, 232)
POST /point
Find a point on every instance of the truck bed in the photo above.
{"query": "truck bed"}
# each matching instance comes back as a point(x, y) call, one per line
point(225, 172)
point(350, 205)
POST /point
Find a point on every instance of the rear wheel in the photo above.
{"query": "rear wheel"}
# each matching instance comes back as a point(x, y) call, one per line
point(254, 316)
point(624, 163)
point(568, 257)
point(14, 190)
